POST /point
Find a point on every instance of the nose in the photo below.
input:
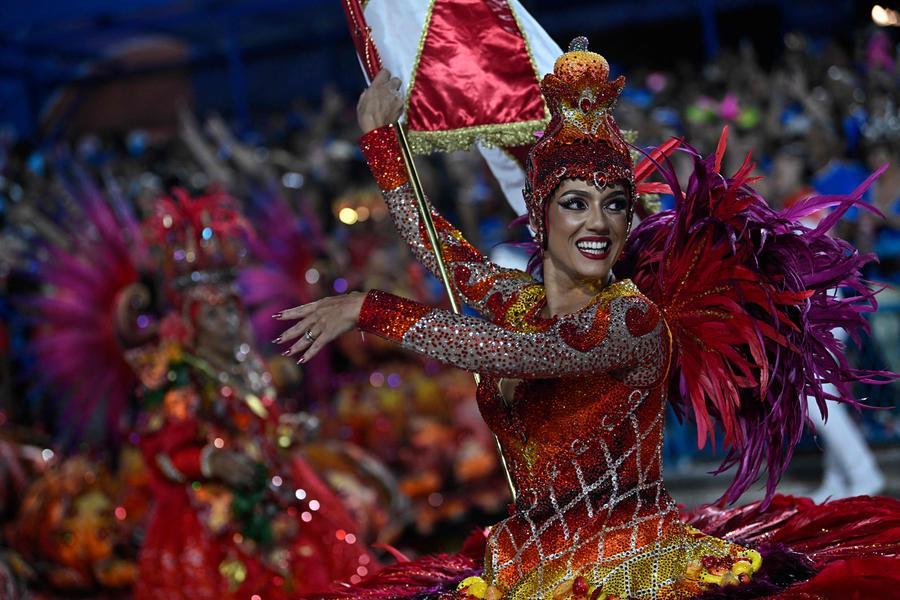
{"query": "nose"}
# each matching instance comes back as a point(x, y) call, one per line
point(597, 219)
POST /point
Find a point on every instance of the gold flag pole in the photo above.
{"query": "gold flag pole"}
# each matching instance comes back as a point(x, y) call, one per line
point(371, 64)
point(425, 216)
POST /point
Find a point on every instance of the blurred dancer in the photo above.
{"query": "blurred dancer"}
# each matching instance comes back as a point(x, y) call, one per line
point(236, 509)
point(848, 465)
point(237, 512)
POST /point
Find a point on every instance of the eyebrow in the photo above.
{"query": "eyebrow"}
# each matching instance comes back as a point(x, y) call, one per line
point(582, 193)
point(587, 194)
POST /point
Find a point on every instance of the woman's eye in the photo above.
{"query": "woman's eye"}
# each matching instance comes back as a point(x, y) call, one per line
point(572, 203)
point(616, 205)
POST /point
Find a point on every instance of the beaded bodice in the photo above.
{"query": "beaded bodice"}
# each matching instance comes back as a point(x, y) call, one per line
point(585, 457)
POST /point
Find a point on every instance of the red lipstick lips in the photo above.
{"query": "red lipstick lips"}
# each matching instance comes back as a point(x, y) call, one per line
point(594, 247)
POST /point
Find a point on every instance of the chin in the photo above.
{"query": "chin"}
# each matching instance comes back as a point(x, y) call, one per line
point(593, 270)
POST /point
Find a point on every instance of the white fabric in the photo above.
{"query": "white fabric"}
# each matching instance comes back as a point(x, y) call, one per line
point(849, 467)
point(544, 50)
point(397, 26)
point(509, 175)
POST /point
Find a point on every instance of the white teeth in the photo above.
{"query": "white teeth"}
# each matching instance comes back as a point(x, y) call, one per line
point(598, 247)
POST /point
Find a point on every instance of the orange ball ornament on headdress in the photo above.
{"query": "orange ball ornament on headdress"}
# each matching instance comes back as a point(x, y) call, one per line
point(582, 140)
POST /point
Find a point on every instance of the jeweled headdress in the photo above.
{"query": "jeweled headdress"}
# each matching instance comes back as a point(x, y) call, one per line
point(582, 140)
point(198, 239)
point(199, 243)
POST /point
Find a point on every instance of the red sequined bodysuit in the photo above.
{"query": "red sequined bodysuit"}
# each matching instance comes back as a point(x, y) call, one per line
point(581, 427)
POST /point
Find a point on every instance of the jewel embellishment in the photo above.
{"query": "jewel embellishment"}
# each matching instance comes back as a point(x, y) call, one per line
point(578, 44)
point(586, 101)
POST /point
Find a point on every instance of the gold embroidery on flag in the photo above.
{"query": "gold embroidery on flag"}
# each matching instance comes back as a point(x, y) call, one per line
point(491, 135)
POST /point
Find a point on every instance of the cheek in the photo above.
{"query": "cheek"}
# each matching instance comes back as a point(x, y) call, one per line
point(561, 225)
point(619, 226)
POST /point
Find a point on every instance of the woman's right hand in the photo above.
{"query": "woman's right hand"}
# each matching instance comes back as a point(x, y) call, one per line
point(381, 104)
point(233, 468)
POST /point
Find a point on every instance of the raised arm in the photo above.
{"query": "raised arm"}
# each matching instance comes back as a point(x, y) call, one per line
point(477, 281)
point(620, 331)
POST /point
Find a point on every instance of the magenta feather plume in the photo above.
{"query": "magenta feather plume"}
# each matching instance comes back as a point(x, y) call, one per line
point(750, 296)
point(289, 241)
point(282, 254)
point(83, 275)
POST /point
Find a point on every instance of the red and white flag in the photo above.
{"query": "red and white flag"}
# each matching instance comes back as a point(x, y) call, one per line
point(470, 71)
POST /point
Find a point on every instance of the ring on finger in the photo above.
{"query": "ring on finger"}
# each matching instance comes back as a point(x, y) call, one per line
point(308, 335)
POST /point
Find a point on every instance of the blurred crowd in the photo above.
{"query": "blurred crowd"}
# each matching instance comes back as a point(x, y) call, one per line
point(820, 120)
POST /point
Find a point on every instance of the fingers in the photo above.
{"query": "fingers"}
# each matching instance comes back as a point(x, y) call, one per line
point(323, 320)
point(315, 329)
point(294, 313)
point(244, 470)
point(384, 79)
point(236, 469)
point(317, 344)
point(241, 478)
point(241, 471)
point(383, 76)
point(296, 330)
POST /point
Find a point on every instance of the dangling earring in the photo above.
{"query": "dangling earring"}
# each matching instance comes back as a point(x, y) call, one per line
point(630, 218)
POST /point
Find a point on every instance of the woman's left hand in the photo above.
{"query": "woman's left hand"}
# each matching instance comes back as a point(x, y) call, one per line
point(319, 323)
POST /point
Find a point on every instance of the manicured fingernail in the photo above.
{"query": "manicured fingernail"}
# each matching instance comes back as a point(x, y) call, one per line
point(277, 315)
point(302, 358)
point(277, 340)
point(286, 352)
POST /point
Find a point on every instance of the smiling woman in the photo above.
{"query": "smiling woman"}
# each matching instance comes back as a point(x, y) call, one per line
point(586, 231)
point(576, 368)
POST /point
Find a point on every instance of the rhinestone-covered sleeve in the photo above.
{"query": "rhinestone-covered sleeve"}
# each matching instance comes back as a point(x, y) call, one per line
point(480, 283)
point(625, 334)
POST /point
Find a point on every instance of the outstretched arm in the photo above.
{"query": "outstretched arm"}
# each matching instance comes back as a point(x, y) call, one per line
point(480, 283)
point(620, 331)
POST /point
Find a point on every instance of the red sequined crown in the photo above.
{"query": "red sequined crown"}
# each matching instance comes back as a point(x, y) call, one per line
point(582, 140)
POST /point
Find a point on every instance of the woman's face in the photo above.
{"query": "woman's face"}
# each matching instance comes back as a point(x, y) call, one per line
point(219, 326)
point(586, 229)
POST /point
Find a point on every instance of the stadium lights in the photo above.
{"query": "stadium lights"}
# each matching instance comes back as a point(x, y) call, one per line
point(885, 17)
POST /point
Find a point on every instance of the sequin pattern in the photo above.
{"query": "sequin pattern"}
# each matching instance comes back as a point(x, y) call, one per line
point(582, 437)
point(481, 284)
point(381, 149)
point(478, 345)
point(489, 289)
point(593, 504)
point(585, 454)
